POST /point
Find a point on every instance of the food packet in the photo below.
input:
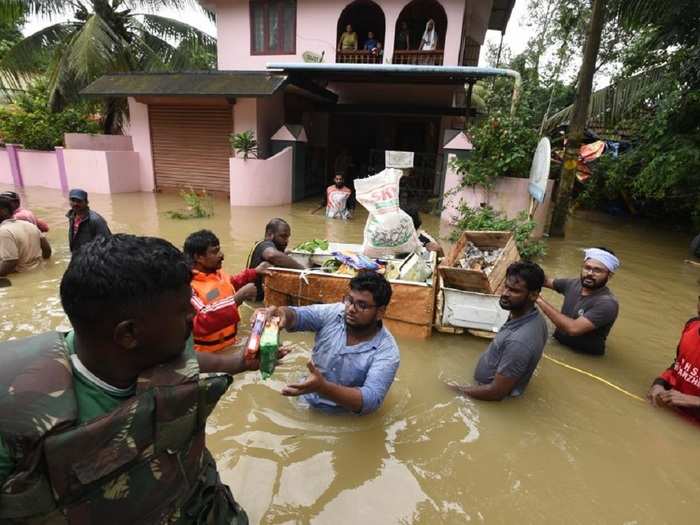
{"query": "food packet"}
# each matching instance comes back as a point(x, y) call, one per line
point(269, 347)
point(389, 230)
point(251, 350)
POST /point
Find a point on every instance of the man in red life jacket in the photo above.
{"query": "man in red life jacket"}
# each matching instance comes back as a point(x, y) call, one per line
point(679, 385)
point(215, 294)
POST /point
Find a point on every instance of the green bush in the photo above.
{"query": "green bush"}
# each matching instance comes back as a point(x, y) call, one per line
point(198, 205)
point(503, 147)
point(30, 123)
point(487, 219)
point(244, 143)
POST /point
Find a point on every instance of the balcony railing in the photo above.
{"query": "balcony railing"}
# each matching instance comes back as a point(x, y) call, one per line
point(357, 57)
point(427, 58)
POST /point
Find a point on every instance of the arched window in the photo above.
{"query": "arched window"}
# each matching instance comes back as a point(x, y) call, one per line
point(366, 20)
point(273, 27)
point(412, 25)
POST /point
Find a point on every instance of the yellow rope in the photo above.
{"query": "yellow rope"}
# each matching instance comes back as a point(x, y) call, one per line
point(620, 389)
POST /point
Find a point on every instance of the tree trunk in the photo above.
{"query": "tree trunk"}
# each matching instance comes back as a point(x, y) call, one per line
point(577, 123)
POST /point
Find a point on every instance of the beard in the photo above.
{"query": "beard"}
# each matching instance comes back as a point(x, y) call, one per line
point(506, 304)
point(592, 284)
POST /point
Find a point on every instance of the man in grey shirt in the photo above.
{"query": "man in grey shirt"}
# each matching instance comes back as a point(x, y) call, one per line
point(507, 365)
point(589, 308)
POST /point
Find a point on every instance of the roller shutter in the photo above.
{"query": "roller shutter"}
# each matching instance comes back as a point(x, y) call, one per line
point(191, 147)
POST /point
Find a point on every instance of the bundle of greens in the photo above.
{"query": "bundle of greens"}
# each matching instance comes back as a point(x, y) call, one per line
point(312, 246)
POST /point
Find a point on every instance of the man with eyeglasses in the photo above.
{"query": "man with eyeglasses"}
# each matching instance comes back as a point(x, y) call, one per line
point(355, 358)
point(590, 309)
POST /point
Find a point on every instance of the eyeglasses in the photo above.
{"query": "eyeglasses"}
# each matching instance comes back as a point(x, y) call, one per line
point(359, 305)
point(593, 269)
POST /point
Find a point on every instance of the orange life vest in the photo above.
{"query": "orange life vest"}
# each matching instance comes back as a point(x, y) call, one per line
point(209, 289)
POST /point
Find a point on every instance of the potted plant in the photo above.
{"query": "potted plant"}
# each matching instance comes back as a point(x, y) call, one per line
point(244, 144)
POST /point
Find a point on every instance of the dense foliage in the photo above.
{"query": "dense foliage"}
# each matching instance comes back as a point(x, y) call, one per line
point(96, 37)
point(487, 219)
point(503, 147)
point(30, 122)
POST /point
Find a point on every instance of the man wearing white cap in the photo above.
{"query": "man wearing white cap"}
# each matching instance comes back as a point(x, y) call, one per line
point(589, 308)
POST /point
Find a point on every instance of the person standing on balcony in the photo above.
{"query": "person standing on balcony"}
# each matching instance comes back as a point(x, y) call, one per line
point(430, 37)
point(371, 44)
point(403, 39)
point(348, 40)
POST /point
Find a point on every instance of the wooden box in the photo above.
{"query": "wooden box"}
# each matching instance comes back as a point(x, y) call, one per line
point(478, 280)
point(410, 312)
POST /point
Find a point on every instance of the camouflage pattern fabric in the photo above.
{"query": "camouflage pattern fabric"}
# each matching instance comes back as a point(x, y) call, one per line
point(142, 463)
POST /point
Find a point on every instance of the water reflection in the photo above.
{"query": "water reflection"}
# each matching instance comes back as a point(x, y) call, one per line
point(572, 449)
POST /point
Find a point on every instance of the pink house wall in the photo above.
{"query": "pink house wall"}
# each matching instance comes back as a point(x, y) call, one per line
point(139, 129)
point(5, 174)
point(316, 31)
point(39, 168)
point(248, 177)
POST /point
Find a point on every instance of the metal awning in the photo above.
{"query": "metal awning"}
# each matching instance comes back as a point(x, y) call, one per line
point(393, 73)
point(200, 84)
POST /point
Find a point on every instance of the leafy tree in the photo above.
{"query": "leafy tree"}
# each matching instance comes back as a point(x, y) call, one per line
point(30, 123)
point(100, 37)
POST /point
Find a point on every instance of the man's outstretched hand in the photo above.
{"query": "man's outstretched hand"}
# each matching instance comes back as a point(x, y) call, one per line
point(314, 383)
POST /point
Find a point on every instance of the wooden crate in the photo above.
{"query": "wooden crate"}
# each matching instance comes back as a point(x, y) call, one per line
point(477, 280)
point(410, 312)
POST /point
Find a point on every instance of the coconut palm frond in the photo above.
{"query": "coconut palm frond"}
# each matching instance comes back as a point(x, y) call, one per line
point(169, 28)
point(11, 10)
point(21, 60)
point(608, 106)
point(155, 53)
point(96, 49)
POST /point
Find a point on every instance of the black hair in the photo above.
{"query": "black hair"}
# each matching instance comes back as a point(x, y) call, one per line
point(606, 250)
point(414, 214)
point(120, 275)
point(374, 283)
point(530, 272)
point(198, 243)
point(274, 225)
point(6, 204)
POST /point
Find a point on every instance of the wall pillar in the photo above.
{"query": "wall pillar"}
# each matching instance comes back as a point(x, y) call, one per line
point(14, 164)
point(62, 176)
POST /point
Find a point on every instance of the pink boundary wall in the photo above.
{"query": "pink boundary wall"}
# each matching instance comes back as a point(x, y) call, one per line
point(510, 196)
point(103, 171)
point(96, 171)
point(39, 168)
point(5, 173)
point(258, 182)
point(98, 142)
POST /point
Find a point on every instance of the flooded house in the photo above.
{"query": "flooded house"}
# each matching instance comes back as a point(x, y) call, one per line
point(317, 101)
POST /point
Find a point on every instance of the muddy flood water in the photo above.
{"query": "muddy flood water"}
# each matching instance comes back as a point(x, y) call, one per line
point(572, 450)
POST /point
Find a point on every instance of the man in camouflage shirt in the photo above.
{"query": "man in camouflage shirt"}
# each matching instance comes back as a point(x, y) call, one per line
point(105, 424)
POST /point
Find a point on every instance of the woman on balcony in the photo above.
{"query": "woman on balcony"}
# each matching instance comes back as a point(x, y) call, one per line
point(430, 37)
point(348, 40)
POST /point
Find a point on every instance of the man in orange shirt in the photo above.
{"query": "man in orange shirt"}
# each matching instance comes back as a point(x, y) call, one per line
point(679, 385)
point(215, 294)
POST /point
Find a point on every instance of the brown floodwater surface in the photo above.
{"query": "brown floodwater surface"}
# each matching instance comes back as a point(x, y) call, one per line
point(572, 449)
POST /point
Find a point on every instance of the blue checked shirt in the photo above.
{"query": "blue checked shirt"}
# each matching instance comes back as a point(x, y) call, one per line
point(371, 365)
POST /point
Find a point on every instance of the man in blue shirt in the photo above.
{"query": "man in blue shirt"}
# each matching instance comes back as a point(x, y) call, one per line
point(355, 359)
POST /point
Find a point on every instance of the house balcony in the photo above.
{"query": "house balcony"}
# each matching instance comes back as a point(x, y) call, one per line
point(424, 58)
point(358, 57)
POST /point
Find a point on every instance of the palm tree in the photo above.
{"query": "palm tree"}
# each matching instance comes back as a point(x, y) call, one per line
point(100, 37)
